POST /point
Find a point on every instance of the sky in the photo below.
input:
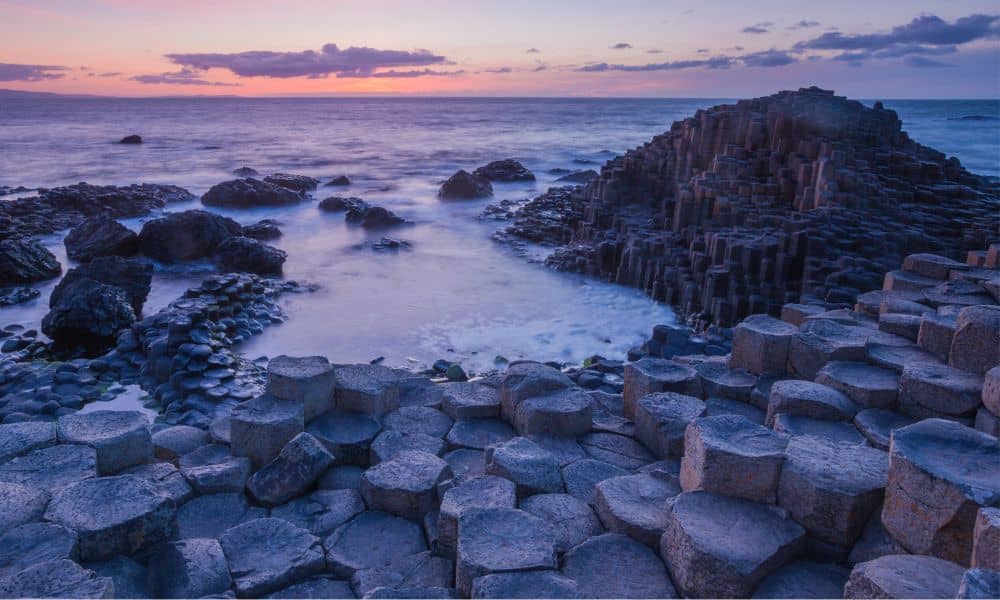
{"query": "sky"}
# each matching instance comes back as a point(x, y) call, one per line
point(619, 48)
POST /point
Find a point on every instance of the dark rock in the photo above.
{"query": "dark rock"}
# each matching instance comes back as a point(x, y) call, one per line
point(263, 230)
point(133, 276)
point(464, 186)
point(615, 566)
point(804, 579)
point(525, 584)
point(321, 512)
point(210, 516)
point(372, 539)
point(56, 579)
point(17, 295)
point(187, 235)
point(120, 438)
point(245, 171)
point(246, 193)
point(504, 170)
point(52, 468)
point(35, 543)
point(296, 183)
point(486, 537)
point(88, 315)
point(372, 217)
point(340, 203)
point(904, 576)
point(131, 139)
point(100, 236)
point(26, 261)
point(244, 254)
point(338, 180)
point(21, 504)
point(189, 569)
point(292, 472)
point(20, 438)
point(579, 176)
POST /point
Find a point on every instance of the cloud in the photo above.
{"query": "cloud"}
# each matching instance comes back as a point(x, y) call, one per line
point(14, 72)
point(182, 77)
point(532, 51)
point(499, 70)
point(702, 50)
point(803, 24)
point(540, 68)
point(329, 60)
point(621, 46)
point(922, 62)
point(109, 74)
point(762, 27)
point(417, 73)
point(718, 62)
point(654, 51)
point(768, 58)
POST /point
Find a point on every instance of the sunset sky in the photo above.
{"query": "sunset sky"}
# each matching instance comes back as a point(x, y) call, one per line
point(888, 49)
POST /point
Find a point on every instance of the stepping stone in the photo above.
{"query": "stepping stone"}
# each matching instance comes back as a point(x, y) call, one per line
point(347, 436)
point(720, 381)
point(874, 542)
point(17, 439)
point(877, 425)
point(389, 444)
point(165, 479)
point(466, 463)
point(292, 473)
point(266, 555)
point(904, 576)
point(229, 475)
point(526, 380)
point(618, 450)
point(419, 390)
point(370, 540)
point(905, 281)
point(956, 293)
point(259, 428)
point(660, 421)
point(935, 390)
point(823, 341)
point(315, 587)
point(897, 358)
point(189, 569)
point(987, 422)
point(715, 407)
point(615, 566)
point(423, 570)
point(524, 584)
point(321, 512)
point(479, 492)
point(866, 385)
point(56, 579)
point(581, 476)
point(986, 539)
point(721, 547)
point(307, 379)
point(565, 449)
point(419, 419)
point(564, 412)
point(369, 389)
point(904, 325)
point(486, 537)
point(533, 469)
point(173, 442)
point(479, 433)
point(405, 485)
point(654, 375)
point(732, 456)
point(760, 345)
point(835, 431)
point(979, 583)
point(212, 515)
point(808, 399)
point(113, 515)
point(120, 438)
point(940, 473)
point(34, 543)
point(931, 265)
point(462, 400)
point(346, 477)
point(832, 488)
point(20, 504)
point(936, 334)
point(572, 520)
point(804, 579)
point(635, 505)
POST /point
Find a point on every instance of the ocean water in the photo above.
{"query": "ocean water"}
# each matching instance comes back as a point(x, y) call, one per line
point(455, 294)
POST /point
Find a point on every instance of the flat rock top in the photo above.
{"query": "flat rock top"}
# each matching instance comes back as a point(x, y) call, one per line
point(738, 435)
point(83, 428)
point(95, 504)
point(374, 539)
point(267, 409)
point(672, 406)
point(804, 579)
point(298, 367)
point(616, 566)
point(409, 470)
point(953, 452)
point(344, 427)
point(53, 467)
point(505, 539)
point(20, 438)
point(663, 370)
point(904, 576)
point(944, 376)
point(486, 491)
point(860, 375)
point(767, 324)
point(843, 467)
point(369, 378)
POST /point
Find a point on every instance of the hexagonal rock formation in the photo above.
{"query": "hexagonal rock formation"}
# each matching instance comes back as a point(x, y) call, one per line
point(113, 515)
point(986, 539)
point(634, 505)
point(821, 341)
point(479, 492)
point(292, 472)
point(372, 539)
point(615, 566)
point(991, 390)
point(120, 438)
point(171, 443)
point(479, 433)
point(564, 413)
point(618, 450)
point(572, 520)
point(715, 546)
point(526, 380)
point(808, 399)
point(369, 389)
point(866, 385)
point(717, 381)
point(347, 435)
point(33, 543)
point(652, 375)
point(661, 418)
point(804, 579)
point(462, 400)
point(260, 428)
point(976, 345)
point(732, 456)
point(20, 504)
point(390, 443)
point(501, 540)
point(524, 584)
point(421, 570)
point(904, 576)
point(307, 379)
point(940, 473)
point(832, 488)
point(228, 474)
point(533, 469)
point(979, 583)
point(189, 569)
point(760, 345)
point(322, 511)
point(265, 555)
point(877, 425)
point(581, 476)
point(20, 438)
point(56, 579)
point(933, 390)
point(405, 485)
point(419, 419)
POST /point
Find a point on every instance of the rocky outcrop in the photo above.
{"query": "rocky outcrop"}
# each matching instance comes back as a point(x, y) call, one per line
point(88, 315)
point(131, 139)
point(187, 235)
point(297, 183)
point(465, 186)
point(266, 229)
point(100, 236)
point(246, 193)
point(504, 170)
point(26, 261)
point(133, 276)
point(247, 255)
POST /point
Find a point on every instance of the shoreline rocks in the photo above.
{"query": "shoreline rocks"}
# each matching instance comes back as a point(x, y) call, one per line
point(465, 186)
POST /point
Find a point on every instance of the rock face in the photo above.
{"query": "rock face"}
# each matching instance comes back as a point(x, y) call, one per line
point(26, 261)
point(133, 276)
point(247, 255)
point(100, 236)
point(307, 379)
point(465, 186)
point(246, 193)
point(760, 345)
point(89, 314)
point(187, 235)
point(504, 170)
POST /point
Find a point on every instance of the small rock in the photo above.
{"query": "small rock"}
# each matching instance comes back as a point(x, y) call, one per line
point(291, 473)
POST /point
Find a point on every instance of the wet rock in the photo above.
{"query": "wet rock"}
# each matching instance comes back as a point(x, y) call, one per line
point(296, 183)
point(247, 255)
point(804, 579)
point(56, 579)
point(307, 379)
point(504, 170)
point(340, 204)
point(470, 401)
point(418, 419)
point(976, 345)
point(20, 438)
point(808, 399)
point(904, 576)
point(369, 389)
point(370, 540)
point(338, 180)
point(562, 413)
point(321, 512)
point(171, 443)
point(465, 186)
point(257, 568)
point(661, 419)
point(760, 345)
point(652, 375)
point(189, 569)
point(389, 444)
point(51, 468)
point(406, 485)
point(372, 217)
point(133, 276)
point(245, 171)
point(100, 236)
point(291, 473)
point(20, 504)
point(212, 515)
point(187, 235)
point(131, 139)
point(260, 428)
point(615, 566)
point(17, 295)
point(347, 435)
point(579, 176)
point(533, 469)
point(246, 193)
point(488, 537)
point(866, 385)
point(633, 505)
point(524, 584)
point(572, 519)
point(932, 390)
point(479, 434)
point(89, 315)
point(263, 230)
point(120, 438)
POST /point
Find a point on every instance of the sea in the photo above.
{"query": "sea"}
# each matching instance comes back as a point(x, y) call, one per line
point(455, 293)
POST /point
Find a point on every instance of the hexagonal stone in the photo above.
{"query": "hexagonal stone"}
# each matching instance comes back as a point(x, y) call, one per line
point(660, 421)
point(412, 593)
point(976, 345)
point(804, 579)
point(934, 390)
point(257, 568)
point(836, 431)
point(526, 380)
point(479, 433)
point(931, 265)
point(716, 546)
point(936, 334)
point(832, 488)
point(390, 443)
point(564, 412)
point(21, 438)
point(986, 539)
point(715, 407)
point(165, 479)
point(120, 438)
point(582, 476)
point(466, 463)
point(760, 345)
point(615, 566)
point(877, 425)
point(418, 419)
point(305, 379)
point(372, 539)
point(501, 540)
point(173, 442)
point(897, 358)
point(533, 469)
point(634, 505)
point(808, 399)
point(940, 473)
point(423, 570)
point(822, 341)
point(292, 473)
point(479, 492)
point(720, 381)
point(214, 514)
point(228, 475)
point(618, 450)
point(20, 504)
point(979, 583)
point(113, 515)
point(653, 375)
point(209, 454)
point(369, 389)
point(316, 587)
point(524, 584)
point(56, 579)
point(874, 542)
point(987, 422)
point(189, 569)
point(34, 543)
point(904, 576)
point(732, 456)
point(259, 428)
point(463, 400)
point(347, 435)
point(405, 485)
point(321, 512)
point(572, 519)
point(866, 385)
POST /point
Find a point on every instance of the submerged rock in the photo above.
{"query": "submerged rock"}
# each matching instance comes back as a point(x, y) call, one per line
point(246, 193)
point(244, 254)
point(504, 170)
point(26, 261)
point(465, 186)
point(131, 139)
point(100, 236)
point(263, 230)
point(296, 183)
point(187, 235)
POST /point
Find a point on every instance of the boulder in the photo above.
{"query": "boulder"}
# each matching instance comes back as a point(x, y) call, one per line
point(347, 435)
point(804, 579)
point(927, 390)
point(976, 345)
point(582, 176)
point(296, 183)
point(652, 375)
point(405, 485)
point(808, 399)
point(477, 492)
point(265, 555)
point(292, 473)
point(187, 235)
point(615, 566)
point(661, 419)
point(565, 412)
point(100, 236)
point(245, 171)
point(211, 515)
point(340, 204)
point(88, 315)
point(506, 170)
point(306, 379)
point(338, 181)
point(191, 568)
point(760, 345)
point(260, 428)
point(581, 477)
point(463, 400)
point(633, 505)
point(247, 193)
point(524, 584)
point(322, 511)
point(133, 276)
point(526, 380)
point(372, 217)
point(372, 539)
point(904, 576)
point(266, 229)
point(486, 537)
point(56, 579)
point(866, 385)
point(369, 389)
point(131, 139)
point(52, 468)
point(120, 438)
point(34, 543)
point(21, 438)
point(572, 520)
point(533, 469)
point(465, 186)
point(821, 341)
point(247, 255)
